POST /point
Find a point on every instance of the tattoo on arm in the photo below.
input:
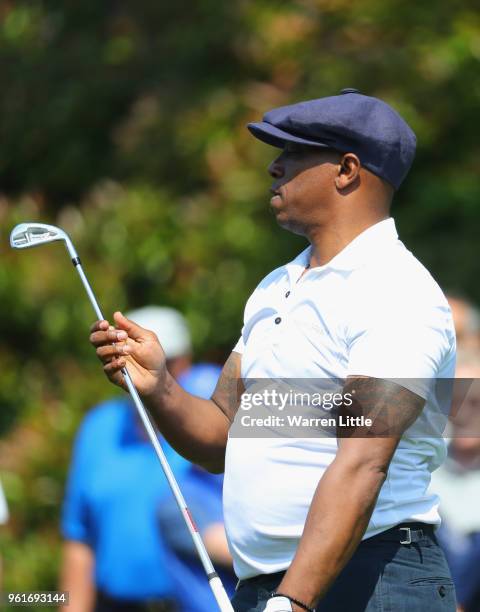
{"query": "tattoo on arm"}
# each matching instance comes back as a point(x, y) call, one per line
point(229, 387)
point(390, 407)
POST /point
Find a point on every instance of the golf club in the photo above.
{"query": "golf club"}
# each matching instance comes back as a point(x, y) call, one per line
point(26, 235)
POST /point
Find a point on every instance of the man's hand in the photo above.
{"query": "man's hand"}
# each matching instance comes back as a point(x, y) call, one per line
point(196, 428)
point(133, 346)
point(278, 604)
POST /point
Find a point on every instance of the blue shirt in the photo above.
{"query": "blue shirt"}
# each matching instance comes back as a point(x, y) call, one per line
point(113, 492)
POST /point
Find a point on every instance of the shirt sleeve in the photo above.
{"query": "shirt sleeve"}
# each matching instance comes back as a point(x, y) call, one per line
point(75, 523)
point(240, 346)
point(401, 341)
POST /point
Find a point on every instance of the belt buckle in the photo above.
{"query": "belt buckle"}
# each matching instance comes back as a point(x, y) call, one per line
point(408, 535)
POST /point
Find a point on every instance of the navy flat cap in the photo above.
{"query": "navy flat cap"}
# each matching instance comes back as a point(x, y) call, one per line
point(348, 123)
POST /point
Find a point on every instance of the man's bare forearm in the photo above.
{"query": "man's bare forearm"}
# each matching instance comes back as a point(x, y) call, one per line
point(341, 509)
point(346, 494)
point(76, 577)
point(196, 428)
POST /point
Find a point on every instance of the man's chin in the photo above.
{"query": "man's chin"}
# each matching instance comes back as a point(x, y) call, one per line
point(287, 224)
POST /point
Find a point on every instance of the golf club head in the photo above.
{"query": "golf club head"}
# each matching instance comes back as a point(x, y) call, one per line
point(30, 234)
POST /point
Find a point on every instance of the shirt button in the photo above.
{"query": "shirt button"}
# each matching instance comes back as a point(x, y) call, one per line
point(287, 294)
point(278, 320)
point(348, 90)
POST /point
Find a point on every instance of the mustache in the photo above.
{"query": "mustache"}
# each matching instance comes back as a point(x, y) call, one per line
point(275, 190)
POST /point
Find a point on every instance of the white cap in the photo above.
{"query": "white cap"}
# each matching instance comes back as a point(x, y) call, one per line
point(169, 325)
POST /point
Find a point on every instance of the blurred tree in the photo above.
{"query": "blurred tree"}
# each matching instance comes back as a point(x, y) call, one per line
point(81, 78)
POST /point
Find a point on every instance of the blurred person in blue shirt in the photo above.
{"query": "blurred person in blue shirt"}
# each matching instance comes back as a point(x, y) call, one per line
point(114, 554)
point(457, 482)
point(203, 494)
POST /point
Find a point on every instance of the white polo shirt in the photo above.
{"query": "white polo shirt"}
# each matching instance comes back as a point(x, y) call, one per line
point(373, 310)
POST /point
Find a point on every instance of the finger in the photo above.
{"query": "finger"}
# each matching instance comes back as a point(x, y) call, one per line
point(113, 371)
point(112, 351)
point(99, 325)
point(133, 330)
point(114, 366)
point(100, 338)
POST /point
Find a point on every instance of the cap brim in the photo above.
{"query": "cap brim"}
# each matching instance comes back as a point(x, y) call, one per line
point(268, 133)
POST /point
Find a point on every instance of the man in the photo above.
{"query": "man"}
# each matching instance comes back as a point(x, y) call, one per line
point(340, 525)
point(114, 555)
point(466, 319)
point(457, 482)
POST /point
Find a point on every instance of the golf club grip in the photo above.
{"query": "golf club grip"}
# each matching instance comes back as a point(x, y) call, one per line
point(220, 594)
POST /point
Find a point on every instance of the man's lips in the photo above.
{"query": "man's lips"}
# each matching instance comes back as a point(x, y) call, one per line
point(276, 197)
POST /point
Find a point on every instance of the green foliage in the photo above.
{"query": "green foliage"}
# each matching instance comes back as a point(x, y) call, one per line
point(124, 123)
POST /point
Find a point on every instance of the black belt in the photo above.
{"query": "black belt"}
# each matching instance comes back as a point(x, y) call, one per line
point(404, 533)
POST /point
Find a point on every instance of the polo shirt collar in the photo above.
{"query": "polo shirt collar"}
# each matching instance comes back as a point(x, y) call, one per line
point(365, 246)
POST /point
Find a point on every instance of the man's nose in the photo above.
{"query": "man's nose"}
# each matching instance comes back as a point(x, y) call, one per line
point(276, 168)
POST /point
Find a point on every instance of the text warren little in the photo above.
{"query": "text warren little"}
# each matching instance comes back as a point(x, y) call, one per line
point(299, 421)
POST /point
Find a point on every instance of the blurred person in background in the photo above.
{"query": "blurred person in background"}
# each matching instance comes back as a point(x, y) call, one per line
point(3, 520)
point(457, 482)
point(466, 318)
point(114, 557)
point(203, 492)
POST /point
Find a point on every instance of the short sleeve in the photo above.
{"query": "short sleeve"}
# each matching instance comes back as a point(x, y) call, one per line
point(240, 346)
point(75, 523)
point(402, 341)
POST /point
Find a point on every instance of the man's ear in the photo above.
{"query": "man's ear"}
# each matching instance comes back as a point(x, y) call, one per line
point(348, 171)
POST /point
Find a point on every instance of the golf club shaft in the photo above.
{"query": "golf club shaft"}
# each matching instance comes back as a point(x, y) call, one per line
point(215, 583)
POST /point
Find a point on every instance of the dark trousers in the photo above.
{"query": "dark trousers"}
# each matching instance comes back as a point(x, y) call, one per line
point(382, 576)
